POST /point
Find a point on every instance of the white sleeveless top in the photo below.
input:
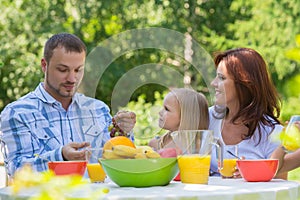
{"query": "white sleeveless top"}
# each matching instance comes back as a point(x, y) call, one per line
point(249, 148)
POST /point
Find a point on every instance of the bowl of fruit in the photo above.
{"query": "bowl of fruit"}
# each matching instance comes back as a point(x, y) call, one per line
point(128, 165)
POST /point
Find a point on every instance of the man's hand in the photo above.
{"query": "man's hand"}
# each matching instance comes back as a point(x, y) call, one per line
point(71, 152)
point(125, 120)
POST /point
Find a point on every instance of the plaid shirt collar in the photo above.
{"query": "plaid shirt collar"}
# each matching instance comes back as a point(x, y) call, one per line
point(44, 96)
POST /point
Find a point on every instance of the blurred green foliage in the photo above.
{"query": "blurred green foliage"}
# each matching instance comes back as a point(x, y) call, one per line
point(294, 175)
point(147, 115)
point(268, 26)
point(291, 89)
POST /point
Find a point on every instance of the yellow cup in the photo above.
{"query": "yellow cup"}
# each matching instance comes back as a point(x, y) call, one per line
point(229, 167)
point(96, 172)
point(94, 168)
point(194, 168)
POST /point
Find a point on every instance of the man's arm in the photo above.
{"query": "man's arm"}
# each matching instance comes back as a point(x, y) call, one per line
point(21, 144)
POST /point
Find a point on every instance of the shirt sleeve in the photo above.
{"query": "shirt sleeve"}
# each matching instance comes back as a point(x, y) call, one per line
point(21, 146)
point(273, 140)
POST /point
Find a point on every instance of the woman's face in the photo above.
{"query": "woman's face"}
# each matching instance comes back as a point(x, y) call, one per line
point(169, 116)
point(225, 92)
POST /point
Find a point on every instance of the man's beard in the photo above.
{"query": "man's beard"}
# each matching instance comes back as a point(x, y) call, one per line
point(57, 90)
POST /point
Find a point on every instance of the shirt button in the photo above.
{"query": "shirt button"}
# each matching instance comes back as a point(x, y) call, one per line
point(46, 136)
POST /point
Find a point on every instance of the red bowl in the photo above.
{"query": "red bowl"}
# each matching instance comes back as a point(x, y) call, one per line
point(68, 167)
point(258, 170)
point(177, 178)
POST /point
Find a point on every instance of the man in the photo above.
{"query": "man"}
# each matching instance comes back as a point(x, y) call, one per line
point(54, 122)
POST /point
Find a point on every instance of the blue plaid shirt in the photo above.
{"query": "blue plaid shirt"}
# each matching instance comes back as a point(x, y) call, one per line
point(38, 124)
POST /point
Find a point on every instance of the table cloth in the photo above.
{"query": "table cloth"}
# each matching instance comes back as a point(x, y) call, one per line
point(217, 189)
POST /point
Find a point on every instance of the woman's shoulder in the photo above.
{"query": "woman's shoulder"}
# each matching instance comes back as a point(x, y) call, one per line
point(213, 120)
point(272, 128)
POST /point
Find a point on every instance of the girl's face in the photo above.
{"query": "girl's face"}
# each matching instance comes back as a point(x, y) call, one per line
point(169, 116)
point(225, 92)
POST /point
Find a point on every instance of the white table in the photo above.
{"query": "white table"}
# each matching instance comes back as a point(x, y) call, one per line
point(223, 189)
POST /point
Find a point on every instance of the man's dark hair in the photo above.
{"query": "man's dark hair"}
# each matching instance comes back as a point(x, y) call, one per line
point(70, 42)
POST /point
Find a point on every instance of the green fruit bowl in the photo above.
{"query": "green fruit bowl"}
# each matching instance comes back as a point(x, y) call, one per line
point(140, 172)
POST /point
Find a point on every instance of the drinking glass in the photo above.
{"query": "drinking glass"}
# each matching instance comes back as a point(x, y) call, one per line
point(291, 136)
point(94, 168)
point(230, 156)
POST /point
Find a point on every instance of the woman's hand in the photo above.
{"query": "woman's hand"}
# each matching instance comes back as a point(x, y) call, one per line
point(237, 173)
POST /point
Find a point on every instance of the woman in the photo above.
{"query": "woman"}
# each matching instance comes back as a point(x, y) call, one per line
point(246, 106)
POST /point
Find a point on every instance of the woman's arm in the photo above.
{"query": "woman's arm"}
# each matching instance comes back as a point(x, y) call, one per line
point(291, 161)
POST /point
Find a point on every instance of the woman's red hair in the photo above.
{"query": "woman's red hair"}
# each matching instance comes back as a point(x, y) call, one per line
point(258, 99)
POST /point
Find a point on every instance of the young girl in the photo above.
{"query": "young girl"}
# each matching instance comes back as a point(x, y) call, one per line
point(183, 109)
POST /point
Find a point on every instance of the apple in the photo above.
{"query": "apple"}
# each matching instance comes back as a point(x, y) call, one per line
point(167, 152)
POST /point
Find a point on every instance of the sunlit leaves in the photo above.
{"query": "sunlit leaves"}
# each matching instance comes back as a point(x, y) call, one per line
point(294, 53)
point(269, 30)
point(147, 115)
point(291, 86)
point(268, 26)
point(113, 25)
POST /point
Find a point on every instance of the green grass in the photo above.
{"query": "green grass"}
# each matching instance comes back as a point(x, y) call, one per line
point(294, 175)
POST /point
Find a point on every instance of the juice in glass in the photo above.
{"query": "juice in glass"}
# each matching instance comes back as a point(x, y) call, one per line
point(194, 168)
point(96, 172)
point(229, 167)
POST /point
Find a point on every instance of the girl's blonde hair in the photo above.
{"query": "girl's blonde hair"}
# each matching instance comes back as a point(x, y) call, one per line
point(193, 112)
point(193, 109)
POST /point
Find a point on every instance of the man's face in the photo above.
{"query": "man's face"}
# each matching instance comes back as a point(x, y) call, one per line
point(63, 73)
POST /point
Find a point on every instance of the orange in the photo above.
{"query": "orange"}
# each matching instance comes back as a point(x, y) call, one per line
point(119, 140)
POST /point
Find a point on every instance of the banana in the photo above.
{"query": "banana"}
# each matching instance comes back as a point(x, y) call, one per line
point(152, 154)
point(109, 154)
point(140, 155)
point(143, 149)
point(125, 151)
